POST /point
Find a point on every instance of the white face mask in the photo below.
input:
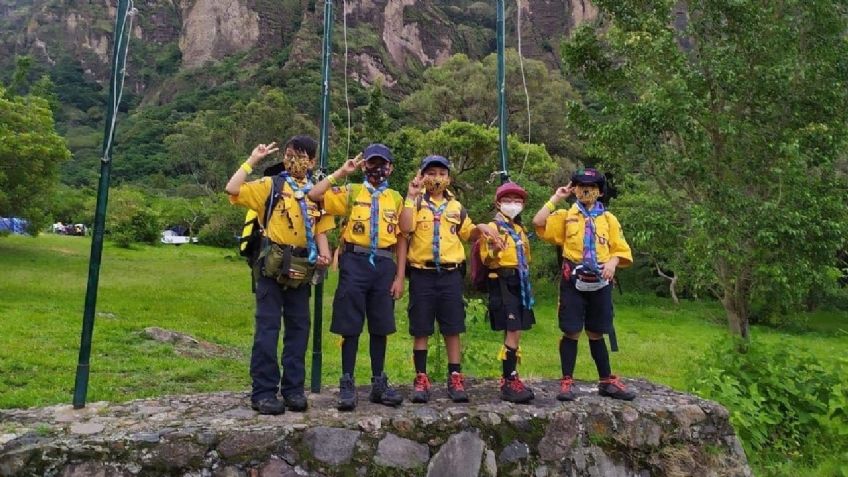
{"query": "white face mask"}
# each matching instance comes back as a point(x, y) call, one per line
point(511, 210)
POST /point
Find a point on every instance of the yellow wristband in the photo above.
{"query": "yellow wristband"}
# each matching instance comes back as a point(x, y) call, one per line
point(247, 168)
point(332, 180)
point(550, 206)
point(409, 203)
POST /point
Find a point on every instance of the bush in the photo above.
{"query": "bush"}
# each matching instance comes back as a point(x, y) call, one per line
point(142, 226)
point(784, 404)
point(223, 228)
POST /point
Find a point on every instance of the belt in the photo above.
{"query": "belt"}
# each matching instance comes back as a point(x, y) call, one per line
point(380, 252)
point(295, 251)
point(444, 266)
point(504, 272)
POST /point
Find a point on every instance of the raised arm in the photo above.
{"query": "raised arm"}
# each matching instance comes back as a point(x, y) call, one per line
point(349, 167)
point(238, 178)
point(542, 215)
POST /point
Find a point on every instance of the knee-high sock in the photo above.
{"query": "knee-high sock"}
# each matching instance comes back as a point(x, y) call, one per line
point(567, 355)
point(350, 345)
point(509, 361)
point(601, 357)
point(378, 354)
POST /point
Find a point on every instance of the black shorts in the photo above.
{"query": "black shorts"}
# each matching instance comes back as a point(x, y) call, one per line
point(436, 297)
point(590, 310)
point(506, 312)
point(364, 291)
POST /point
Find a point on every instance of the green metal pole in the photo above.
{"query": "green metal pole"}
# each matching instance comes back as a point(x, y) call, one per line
point(317, 325)
point(119, 59)
point(502, 114)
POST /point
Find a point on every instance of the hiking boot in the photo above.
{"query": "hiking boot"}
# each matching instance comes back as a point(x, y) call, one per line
point(513, 390)
point(271, 406)
point(382, 393)
point(456, 387)
point(347, 393)
point(565, 391)
point(421, 388)
point(614, 388)
point(296, 402)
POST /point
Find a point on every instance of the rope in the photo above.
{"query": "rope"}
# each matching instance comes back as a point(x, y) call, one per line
point(347, 98)
point(523, 82)
point(117, 94)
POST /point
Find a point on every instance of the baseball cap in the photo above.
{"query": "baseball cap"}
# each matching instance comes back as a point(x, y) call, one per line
point(378, 150)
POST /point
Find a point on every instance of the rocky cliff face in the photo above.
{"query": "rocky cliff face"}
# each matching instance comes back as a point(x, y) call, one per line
point(661, 433)
point(387, 38)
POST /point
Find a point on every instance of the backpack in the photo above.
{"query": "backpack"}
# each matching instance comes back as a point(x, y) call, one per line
point(479, 271)
point(250, 242)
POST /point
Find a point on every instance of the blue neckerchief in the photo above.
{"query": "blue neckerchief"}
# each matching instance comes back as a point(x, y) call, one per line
point(300, 196)
point(590, 253)
point(527, 299)
point(375, 216)
point(437, 225)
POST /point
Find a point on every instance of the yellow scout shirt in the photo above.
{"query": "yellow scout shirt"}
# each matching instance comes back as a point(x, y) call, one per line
point(566, 227)
point(354, 202)
point(286, 224)
point(452, 231)
point(508, 257)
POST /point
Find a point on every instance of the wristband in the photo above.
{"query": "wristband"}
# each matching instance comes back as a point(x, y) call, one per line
point(246, 167)
point(408, 203)
point(332, 180)
point(550, 206)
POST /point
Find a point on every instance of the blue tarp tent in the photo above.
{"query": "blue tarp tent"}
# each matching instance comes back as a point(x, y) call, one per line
point(14, 225)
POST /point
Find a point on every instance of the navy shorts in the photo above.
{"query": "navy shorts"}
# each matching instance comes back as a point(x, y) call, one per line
point(436, 297)
point(589, 310)
point(506, 312)
point(364, 291)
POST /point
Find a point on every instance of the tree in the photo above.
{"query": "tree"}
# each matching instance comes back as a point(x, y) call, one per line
point(738, 120)
point(462, 89)
point(30, 154)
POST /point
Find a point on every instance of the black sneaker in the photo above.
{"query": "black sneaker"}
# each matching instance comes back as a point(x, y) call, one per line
point(271, 406)
point(382, 393)
point(456, 387)
point(347, 394)
point(513, 390)
point(565, 391)
point(421, 388)
point(614, 388)
point(296, 402)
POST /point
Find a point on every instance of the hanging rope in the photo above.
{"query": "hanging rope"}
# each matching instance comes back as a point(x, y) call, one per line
point(122, 41)
point(347, 98)
point(523, 82)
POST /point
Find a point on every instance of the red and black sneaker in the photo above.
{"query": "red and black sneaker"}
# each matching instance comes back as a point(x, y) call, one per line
point(421, 388)
point(565, 391)
point(456, 387)
point(513, 390)
point(613, 387)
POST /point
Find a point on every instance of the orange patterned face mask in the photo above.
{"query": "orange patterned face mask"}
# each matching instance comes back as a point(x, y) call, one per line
point(587, 193)
point(297, 165)
point(435, 185)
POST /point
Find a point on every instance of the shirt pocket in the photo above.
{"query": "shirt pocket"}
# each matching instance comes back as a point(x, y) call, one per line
point(360, 212)
point(454, 223)
point(572, 228)
point(602, 232)
point(390, 216)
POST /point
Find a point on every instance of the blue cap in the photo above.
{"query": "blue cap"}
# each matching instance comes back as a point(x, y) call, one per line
point(435, 161)
point(589, 176)
point(378, 150)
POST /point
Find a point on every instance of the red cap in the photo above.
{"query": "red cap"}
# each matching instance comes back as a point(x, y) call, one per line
point(510, 188)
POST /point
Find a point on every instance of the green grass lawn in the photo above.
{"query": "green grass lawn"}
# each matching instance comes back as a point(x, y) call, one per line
point(206, 292)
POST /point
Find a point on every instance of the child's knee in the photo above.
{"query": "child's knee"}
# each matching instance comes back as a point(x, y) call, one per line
point(574, 335)
point(594, 335)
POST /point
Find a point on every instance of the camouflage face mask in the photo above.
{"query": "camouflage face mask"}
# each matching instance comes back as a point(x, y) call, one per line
point(587, 194)
point(297, 166)
point(435, 185)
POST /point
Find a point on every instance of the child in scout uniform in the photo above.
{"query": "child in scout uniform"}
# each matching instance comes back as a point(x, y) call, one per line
point(437, 224)
point(510, 295)
point(593, 247)
point(294, 244)
point(369, 279)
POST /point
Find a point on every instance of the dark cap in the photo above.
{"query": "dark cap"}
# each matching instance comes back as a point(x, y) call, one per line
point(435, 161)
point(378, 150)
point(589, 176)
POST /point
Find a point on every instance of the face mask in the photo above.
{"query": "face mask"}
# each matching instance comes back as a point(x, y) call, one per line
point(511, 209)
point(586, 194)
point(377, 174)
point(436, 185)
point(297, 166)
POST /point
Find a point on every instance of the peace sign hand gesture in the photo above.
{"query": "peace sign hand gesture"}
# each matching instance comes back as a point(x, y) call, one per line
point(350, 166)
point(262, 150)
point(415, 186)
